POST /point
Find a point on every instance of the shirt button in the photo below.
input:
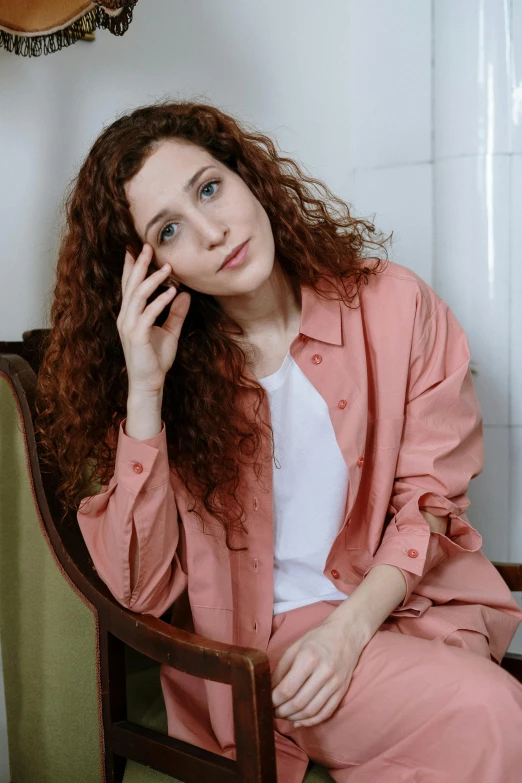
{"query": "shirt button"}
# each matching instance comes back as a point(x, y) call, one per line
point(303, 338)
point(317, 358)
point(335, 573)
point(412, 553)
point(342, 404)
point(360, 462)
point(137, 467)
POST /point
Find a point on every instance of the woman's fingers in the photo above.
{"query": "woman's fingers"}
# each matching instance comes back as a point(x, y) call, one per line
point(132, 270)
point(311, 687)
point(313, 696)
point(136, 287)
point(296, 669)
point(130, 264)
point(137, 301)
point(324, 713)
point(156, 307)
point(149, 350)
point(138, 269)
point(127, 269)
point(177, 313)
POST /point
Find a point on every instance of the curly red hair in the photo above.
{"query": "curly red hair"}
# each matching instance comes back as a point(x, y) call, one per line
point(82, 383)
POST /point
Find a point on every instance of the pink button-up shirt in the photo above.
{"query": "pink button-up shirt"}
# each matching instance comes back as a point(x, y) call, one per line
point(395, 375)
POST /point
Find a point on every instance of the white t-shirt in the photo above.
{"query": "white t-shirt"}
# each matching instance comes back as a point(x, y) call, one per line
point(310, 488)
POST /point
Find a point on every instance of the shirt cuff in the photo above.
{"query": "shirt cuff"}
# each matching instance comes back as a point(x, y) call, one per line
point(410, 545)
point(141, 464)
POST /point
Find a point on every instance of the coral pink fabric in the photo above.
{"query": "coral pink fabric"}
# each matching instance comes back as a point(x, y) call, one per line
point(395, 375)
point(416, 711)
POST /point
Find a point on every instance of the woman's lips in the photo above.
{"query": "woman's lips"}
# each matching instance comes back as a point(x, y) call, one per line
point(238, 259)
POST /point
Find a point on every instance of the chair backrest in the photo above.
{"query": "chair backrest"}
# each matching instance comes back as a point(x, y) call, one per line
point(47, 631)
point(246, 670)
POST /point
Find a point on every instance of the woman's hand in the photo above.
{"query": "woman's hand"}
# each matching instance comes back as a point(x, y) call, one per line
point(149, 350)
point(313, 674)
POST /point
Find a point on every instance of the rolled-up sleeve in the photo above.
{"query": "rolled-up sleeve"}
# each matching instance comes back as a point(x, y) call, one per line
point(441, 450)
point(135, 517)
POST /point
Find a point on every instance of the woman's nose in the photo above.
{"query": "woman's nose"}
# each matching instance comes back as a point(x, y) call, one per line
point(212, 231)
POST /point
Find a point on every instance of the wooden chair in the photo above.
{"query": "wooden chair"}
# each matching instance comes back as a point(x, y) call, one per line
point(246, 670)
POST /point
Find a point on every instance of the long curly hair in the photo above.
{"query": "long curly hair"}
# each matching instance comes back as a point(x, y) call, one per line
point(82, 384)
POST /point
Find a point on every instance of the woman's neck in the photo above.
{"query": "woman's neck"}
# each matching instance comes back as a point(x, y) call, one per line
point(271, 313)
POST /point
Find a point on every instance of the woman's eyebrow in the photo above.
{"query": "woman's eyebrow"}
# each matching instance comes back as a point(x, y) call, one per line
point(194, 178)
point(164, 212)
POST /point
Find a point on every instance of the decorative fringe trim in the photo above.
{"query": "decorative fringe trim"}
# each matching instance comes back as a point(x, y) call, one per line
point(34, 46)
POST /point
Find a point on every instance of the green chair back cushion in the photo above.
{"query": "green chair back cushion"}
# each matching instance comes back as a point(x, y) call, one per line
point(47, 634)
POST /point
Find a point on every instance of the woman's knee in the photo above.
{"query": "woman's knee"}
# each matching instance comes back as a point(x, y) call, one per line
point(482, 683)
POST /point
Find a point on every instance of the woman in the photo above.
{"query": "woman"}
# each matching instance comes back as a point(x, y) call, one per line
point(298, 464)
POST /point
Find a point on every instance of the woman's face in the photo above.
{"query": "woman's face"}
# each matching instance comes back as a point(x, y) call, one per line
point(194, 211)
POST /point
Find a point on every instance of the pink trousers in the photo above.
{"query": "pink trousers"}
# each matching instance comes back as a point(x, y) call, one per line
point(416, 711)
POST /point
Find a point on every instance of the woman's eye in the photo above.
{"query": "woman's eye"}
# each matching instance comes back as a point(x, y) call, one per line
point(208, 185)
point(163, 237)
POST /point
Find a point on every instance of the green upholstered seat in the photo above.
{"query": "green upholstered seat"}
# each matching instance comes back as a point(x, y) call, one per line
point(48, 640)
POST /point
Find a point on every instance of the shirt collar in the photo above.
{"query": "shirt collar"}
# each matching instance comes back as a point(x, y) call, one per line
point(320, 318)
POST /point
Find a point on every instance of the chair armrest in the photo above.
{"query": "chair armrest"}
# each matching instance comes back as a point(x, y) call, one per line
point(511, 573)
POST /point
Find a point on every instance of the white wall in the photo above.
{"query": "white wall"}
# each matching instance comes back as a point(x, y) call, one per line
point(390, 151)
point(344, 86)
point(292, 68)
point(477, 159)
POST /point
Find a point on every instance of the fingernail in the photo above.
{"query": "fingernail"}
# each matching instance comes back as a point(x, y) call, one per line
point(296, 724)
